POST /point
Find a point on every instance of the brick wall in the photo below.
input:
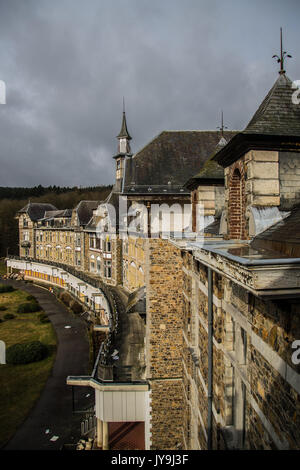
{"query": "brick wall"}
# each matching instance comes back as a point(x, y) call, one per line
point(236, 202)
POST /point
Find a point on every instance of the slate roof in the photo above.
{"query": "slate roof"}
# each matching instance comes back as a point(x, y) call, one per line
point(210, 173)
point(169, 160)
point(85, 210)
point(284, 236)
point(275, 125)
point(277, 114)
point(124, 131)
point(36, 210)
point(64, 213)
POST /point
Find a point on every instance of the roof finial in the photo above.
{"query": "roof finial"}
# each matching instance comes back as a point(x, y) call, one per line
point(222, 125)
point(123, 104)
point(283, 55)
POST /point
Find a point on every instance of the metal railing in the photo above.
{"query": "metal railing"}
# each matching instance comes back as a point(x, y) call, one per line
point(106, 369)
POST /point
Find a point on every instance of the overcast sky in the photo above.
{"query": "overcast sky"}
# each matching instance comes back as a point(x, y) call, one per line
point(68, 63)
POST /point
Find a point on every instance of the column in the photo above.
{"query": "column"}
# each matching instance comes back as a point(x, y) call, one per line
point(105, 436)
point(99, 432)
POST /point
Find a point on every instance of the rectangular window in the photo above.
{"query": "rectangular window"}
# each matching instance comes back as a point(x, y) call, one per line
point(107, 269)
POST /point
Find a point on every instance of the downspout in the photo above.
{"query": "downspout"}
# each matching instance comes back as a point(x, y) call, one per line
point(210, 360)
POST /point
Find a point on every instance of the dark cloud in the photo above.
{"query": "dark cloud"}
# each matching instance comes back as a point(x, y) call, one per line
point(68, 63)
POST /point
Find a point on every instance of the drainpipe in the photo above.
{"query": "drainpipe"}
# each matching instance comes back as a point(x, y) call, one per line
point(210, 360)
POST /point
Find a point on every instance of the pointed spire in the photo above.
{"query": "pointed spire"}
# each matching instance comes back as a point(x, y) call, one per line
point(124, 131)
point(283, 55)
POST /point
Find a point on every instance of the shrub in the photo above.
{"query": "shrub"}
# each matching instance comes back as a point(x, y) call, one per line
point(76, 307)
point(9, 316)
point(30, 297)
point(43, 318)
point(29, 307)
point(24, 353)
point(65, 298)
point(6, 288)
point(2, 308)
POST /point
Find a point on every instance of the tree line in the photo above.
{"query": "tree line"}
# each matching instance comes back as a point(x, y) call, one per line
point(14, 199)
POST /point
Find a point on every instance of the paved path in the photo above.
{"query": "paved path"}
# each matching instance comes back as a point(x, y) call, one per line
point(53, 409)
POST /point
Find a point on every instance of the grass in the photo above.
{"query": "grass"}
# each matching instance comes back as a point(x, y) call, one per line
point(21, 385)
point(2, 268)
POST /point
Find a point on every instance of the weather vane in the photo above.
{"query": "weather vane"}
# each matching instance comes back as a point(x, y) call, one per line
point(222, 125)
point(283, 55)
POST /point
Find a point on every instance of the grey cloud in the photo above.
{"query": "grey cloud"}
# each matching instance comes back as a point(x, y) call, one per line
point(68, 63)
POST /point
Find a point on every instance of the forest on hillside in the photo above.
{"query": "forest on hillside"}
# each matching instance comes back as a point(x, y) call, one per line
point(13, 199)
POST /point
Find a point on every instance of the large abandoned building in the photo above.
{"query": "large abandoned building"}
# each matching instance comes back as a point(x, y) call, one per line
point(198, 333)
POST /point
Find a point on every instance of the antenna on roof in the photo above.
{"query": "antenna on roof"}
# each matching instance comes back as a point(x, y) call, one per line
point(283, 55)
point(222, 127)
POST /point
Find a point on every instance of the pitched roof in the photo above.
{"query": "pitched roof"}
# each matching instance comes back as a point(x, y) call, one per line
point(36, 210)
point(277, 114)
point(63, 213)
point(274, 126)
point(210, 173)
point(169, 160)
point(85, 210)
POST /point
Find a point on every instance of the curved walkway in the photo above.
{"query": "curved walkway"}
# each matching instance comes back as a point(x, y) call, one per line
point(53, 410)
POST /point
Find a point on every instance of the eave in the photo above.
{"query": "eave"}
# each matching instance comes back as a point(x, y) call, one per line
point(276, 278)
point(195, 182)
point(243, 143)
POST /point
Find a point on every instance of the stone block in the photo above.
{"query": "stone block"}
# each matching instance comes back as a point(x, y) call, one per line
point(267, 170)
point(264, 156)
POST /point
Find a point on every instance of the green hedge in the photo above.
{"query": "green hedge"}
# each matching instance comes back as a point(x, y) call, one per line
point(9, 316)
point(24, 353)
point(65, 298)
point(43, 318)
point(6, 288)
point(30, 297)
point(2, 308)
point(29, 307)
point(76, 307)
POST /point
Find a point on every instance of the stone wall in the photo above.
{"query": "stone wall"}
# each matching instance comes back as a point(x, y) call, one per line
point(289, 174)
point(252, 365)
point(164, 343)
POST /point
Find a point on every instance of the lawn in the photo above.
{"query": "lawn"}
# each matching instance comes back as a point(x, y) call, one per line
point(21, 385)
point(2, 268)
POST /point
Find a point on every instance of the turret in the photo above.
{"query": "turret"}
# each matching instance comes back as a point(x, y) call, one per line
point(124, 149)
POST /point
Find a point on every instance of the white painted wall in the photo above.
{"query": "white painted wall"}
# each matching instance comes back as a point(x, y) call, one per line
point(117, 406)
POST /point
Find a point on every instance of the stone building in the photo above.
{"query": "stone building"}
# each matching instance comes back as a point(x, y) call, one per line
point(237, 299)
point(203, 335)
